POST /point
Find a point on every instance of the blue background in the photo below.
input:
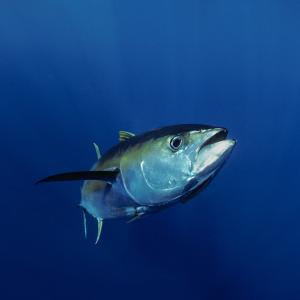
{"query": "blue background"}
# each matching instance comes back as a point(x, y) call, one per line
point(74, 72)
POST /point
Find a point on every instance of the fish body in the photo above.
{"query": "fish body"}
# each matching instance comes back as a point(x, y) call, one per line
point(146, 173)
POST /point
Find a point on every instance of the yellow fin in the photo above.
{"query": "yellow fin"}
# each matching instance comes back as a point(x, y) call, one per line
point(84, 223)
point(97, 150)
point(125, 135)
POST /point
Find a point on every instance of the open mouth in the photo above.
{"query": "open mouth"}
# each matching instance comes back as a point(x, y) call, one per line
point(221, 135)
point(213, 152)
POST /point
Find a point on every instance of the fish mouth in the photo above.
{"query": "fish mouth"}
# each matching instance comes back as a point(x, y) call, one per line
point(213, 152)
point(219, 135)
point(211, 156)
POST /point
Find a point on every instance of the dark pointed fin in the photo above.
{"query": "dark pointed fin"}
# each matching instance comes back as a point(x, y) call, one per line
point(125, 135)
point(108, 176)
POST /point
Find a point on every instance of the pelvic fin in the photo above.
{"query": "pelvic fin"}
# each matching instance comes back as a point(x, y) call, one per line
point(134, 218)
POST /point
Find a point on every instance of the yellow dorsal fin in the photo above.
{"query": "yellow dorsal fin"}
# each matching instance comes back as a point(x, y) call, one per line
point(125, 135)
point(97, 150)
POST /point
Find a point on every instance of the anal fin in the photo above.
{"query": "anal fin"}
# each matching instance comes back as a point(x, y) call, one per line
point(100, 223)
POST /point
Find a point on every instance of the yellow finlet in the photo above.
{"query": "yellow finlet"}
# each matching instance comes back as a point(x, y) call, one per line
point(125, 135)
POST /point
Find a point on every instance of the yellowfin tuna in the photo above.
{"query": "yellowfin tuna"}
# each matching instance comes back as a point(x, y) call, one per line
point(150, 172)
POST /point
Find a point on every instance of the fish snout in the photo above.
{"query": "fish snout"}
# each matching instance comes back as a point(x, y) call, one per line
point(214, 151)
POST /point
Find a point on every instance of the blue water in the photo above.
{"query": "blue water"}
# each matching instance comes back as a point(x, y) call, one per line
point(75, 72)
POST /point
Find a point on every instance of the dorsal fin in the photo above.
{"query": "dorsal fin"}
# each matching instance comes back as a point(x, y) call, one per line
point(98, 153)
point(125, 135)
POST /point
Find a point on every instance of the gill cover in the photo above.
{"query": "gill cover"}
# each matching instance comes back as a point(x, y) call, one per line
point(152, 173)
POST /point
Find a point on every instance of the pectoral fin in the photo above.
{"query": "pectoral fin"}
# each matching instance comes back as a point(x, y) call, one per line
point(108, 176)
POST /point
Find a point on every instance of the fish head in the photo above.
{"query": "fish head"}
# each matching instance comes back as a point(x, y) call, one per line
point(168, 163)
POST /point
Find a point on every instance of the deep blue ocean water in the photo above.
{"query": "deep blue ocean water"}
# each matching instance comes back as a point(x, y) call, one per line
point(75, 72)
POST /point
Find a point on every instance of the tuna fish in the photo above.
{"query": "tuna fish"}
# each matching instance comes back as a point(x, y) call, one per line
point(152, 171)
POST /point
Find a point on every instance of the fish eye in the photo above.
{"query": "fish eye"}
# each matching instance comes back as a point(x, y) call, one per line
point(176, 142)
